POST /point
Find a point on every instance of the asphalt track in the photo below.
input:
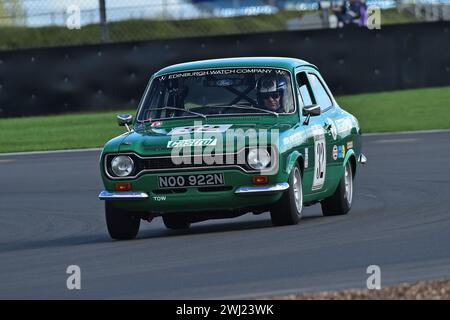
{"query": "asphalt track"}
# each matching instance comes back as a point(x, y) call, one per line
point(50, 218)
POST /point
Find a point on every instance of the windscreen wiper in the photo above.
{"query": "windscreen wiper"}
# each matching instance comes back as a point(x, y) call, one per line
point(180, 109)
point(251, 108)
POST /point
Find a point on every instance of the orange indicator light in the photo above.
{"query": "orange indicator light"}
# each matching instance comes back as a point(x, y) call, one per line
point(260, 180)
point(120, 187)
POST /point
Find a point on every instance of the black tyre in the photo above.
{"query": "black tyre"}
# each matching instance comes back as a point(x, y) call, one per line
point(122, 225)
point(176, 222)
point(341, 201)
point(288, 210)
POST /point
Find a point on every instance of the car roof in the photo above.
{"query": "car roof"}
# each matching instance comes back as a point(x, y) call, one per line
point(265, 62)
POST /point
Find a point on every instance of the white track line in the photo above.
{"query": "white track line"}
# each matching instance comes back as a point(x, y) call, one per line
point(405, 132)
point(48, 152)
point(99, 149)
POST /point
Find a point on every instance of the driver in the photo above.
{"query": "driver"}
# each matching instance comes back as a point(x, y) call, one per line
point(270, 90)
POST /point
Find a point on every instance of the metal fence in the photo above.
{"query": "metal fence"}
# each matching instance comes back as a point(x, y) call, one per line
point(35, 13)
point(113, 76)
point(43, 23)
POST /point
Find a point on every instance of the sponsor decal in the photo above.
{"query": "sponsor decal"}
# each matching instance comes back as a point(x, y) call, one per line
point(341, 152)
point(156, 124)
point(212, 72)
point(205, 128)
point(344, 124)
point(350, 145)
point(191, 143)
point(293, 139)
point(335, 152)
point(306, 158)
point(316, 130)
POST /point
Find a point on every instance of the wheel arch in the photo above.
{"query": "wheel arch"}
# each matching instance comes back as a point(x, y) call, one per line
point(294, 158)
point(350, 157)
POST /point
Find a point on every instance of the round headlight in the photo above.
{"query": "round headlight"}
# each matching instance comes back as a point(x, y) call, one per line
point(258, 158)
point(122, 166)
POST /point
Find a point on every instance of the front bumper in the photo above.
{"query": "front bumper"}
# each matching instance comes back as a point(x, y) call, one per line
point(279, 187)
point(106, 195)
point(238, 193)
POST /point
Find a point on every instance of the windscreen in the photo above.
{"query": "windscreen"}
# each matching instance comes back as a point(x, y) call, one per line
point(236, 91)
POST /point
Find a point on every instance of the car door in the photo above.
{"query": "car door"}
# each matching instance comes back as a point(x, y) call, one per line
point(315, 152)
point(335, 149)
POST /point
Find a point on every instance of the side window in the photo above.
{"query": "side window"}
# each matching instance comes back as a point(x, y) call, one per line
point(305, 89)
point(321, 95)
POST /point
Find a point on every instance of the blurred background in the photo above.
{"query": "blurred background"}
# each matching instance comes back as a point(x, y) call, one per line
point(37, 23)
point(66, 56)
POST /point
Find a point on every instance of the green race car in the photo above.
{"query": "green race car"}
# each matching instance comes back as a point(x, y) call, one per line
point(220, 138)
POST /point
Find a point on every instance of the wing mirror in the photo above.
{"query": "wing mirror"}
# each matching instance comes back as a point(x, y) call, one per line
point(125, 120)
point(309, 111)
point(312, 110)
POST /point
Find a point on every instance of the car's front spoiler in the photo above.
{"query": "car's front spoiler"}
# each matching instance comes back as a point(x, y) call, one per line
point(263, 189)
point(106, 195)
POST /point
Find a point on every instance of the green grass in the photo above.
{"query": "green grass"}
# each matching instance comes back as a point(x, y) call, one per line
point(392, 16)
point(13, 37)
point(58, 132)
point(419, 109)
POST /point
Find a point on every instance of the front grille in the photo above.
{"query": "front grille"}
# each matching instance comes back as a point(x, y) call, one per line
point(168, 163)
point(187, 162)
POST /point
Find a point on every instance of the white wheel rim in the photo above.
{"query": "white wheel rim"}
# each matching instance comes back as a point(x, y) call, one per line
point(348, 183)
point(298, 192)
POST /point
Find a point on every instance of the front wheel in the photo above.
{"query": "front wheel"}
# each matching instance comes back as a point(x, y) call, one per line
point(122, 225)
point(341, 201)
point(288, 210)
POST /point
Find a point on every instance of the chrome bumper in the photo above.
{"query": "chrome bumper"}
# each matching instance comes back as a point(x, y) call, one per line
point(105, 195)
point(362, 159)
point(263, 189)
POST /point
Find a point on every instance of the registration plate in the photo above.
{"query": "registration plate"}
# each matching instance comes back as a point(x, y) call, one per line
point(193, 180)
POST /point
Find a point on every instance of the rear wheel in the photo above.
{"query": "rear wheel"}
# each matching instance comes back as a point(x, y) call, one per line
point(122, 225)
point(172, 221)
point(288, 210)
point(341, 201)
